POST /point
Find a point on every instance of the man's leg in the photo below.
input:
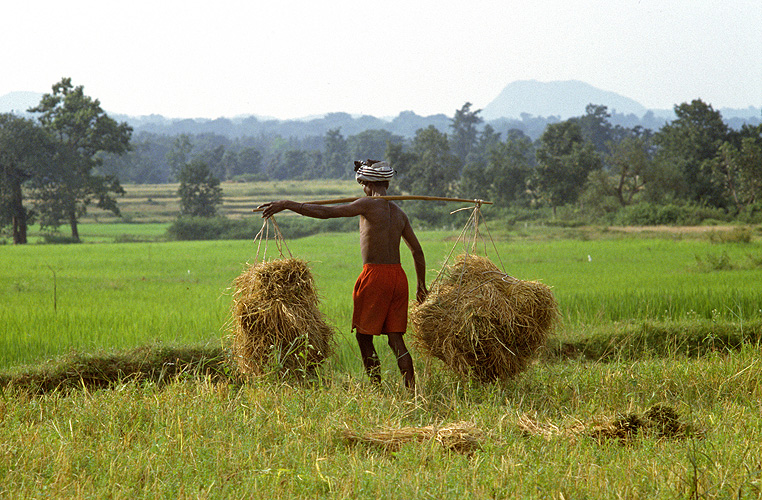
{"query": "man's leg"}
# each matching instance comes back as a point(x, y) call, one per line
point(369, 357)
point(404, 360)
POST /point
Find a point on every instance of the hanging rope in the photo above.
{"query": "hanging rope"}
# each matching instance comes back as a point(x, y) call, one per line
point(263, 236)
point(470, 237)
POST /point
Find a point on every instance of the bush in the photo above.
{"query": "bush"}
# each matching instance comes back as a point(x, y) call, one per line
point(58, 239)
point(186, 228)
point(649, 214)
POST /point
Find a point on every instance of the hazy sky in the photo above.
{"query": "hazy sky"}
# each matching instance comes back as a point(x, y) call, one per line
point(291, 59)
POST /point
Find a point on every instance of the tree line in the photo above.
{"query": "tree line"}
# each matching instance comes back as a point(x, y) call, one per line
point(72, 156)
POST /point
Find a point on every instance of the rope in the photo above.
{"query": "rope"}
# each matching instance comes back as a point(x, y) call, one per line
point(470, 237)
point(264, 236)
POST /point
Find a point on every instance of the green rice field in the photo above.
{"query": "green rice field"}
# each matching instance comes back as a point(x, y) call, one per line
point(61, 297)
point(665, 319)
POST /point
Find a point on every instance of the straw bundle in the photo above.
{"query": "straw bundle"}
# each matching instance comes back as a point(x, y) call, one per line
point(659, 421)
point(276, 320)
point(460, 437)
point(482, 322)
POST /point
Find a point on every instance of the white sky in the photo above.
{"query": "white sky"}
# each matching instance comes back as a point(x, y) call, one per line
point(291, 59)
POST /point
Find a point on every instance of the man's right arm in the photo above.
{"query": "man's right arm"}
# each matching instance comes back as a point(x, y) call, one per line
point(353, 209)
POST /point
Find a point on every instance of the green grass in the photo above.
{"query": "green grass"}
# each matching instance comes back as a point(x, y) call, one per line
point(645, 321)
point(61, 297)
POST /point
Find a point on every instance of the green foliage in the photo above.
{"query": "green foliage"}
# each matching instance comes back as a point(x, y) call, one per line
point(190, 228)
point(81, 131)
point(463, 139)
point(690, 142)
point(24, 150)
point(200, 192)
point(650, 214)
point(564, 160)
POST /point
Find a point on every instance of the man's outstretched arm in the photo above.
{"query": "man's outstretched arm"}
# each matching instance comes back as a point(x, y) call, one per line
point(315, 211)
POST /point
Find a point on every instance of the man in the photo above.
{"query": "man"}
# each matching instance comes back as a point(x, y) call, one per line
point(381, 292)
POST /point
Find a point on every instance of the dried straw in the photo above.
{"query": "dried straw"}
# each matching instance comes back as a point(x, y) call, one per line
point(481, 322)
point(659, 421)
point(461, 437)
point(276, 319)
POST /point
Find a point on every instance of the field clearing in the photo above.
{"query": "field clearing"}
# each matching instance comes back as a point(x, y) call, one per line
point(158, 203)
point(199, 438)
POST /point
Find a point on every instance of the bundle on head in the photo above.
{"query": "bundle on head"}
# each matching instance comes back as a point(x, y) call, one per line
point(481, 322)
point(276, 320)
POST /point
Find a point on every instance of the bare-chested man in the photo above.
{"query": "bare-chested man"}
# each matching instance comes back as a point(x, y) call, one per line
point(381, 292)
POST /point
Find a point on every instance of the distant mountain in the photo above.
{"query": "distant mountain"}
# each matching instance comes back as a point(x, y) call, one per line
point(19, 102)
point(563, 99)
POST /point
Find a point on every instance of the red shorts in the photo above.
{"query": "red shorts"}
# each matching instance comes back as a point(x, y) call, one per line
point(380, 300)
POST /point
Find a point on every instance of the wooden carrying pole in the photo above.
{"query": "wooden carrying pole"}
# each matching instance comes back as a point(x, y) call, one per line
point(391, 198)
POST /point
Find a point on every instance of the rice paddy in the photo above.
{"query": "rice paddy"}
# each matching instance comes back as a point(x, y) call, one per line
point(649, 388)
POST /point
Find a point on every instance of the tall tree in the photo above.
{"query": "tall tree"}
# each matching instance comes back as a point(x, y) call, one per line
point(81, 131)
point(179, 155)
point(24, 148)
point(336, 155)
point(564, 160)
point(631, 162)
point(434, 170)
point(370, 144)
point(200, 192)
point(690, 143)
point(595, 126)
point(509, 166)
point(464, 136)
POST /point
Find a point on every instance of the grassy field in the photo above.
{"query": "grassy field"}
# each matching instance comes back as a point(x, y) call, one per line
point(649, 319)
point(160, 203)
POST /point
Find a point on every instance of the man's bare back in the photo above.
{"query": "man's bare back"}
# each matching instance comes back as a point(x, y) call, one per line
point(382, 225)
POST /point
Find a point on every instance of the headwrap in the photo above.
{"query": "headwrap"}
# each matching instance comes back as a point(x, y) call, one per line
point(373, 171)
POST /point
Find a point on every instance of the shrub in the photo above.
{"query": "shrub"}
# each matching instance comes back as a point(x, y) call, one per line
point(186, 228)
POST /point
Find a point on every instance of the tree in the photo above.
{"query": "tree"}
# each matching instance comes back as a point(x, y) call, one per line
point(24, 148)
point(595, 126)
point(691, 142)
point(81, 131)
point(179, 155)
point(200, 192)
point(464, 131)
point(473, 179)
point(336, 158)
point(371, 144)
point(434, 170)
point(739, 171)
point(631, 162)
point(431, 170)
point(509, 166)
point(564, 160)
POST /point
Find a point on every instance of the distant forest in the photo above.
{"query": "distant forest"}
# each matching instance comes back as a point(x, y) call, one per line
point(251, 148)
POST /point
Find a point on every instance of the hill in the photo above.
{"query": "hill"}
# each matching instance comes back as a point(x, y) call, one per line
point(563, 99)
point(19, 102)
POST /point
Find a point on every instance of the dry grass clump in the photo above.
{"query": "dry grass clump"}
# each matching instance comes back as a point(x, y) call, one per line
point(483, 323)
point(460, 437)
point(659, 421)
point(276, 320)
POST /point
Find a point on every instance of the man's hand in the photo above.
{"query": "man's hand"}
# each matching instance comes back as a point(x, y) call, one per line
point(272, 208)
point(421, 293)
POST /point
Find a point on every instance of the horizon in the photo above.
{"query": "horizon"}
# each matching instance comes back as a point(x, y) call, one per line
point(657, 111)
